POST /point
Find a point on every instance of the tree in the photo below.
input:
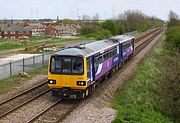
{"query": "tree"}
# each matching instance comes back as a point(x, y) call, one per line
point(66, 21)
point(136, 20)
point(110, 25)
point(173, 19)
point(86, 17)
point(96, 16)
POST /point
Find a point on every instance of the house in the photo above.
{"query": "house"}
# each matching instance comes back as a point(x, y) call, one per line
point(0, 30)
point(59, 31)
point(15, 31)
point(37, 28)
point(1, 25)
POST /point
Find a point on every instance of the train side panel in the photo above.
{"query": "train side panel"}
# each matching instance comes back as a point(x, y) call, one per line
point(106, 65)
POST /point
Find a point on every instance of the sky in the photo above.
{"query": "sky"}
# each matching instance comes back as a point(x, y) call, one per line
point(33, 9)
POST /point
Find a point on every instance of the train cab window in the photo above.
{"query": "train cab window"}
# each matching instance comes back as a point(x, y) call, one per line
point(77, 65)
point(66, 65)
point(56, 65)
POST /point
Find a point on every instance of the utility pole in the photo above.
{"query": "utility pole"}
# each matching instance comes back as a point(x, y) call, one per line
point(78, 17)
point(113, 11)
point(31, 14)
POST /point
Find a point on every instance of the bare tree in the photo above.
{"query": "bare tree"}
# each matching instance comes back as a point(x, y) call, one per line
point(173, 18)
point(96, 17)
point(86, 17)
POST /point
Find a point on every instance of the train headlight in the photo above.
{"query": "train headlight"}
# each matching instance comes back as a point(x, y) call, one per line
point(81, 83)
point(52, 81)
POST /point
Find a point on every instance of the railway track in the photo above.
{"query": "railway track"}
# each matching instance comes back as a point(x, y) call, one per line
point(142, 45)
point(19, 100)
point(144, 36)
point(54, 113)
point(59, 109)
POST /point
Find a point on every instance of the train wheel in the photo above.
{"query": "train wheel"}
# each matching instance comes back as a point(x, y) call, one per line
point(83, 94)
point(116, 67)
point(94, 86)
point(87, 92)
point(119, 65)
point(90, 89)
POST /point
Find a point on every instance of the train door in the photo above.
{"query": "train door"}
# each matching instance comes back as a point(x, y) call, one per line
point(120, 51)
point(89, 70)
point(132, 42)
point(93, 67)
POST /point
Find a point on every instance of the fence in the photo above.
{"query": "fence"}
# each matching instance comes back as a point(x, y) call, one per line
point(26, 64)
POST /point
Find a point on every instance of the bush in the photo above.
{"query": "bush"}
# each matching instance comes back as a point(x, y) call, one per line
point(170, 87)
point(173, 36)
point(87, 30)
point(120, 28)
point(110, 25)
point(104, 33)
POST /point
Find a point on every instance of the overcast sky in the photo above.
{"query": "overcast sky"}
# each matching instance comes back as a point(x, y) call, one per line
point(21, 9)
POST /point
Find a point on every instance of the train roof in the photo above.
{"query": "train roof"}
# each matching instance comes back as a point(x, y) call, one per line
point(92, 48)
point(121, 38)
point(87, 49)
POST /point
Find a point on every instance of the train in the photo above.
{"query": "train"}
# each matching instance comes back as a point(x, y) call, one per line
point(75, 72)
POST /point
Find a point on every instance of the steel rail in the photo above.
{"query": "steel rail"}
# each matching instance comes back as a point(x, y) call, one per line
point(15, 108)
point(22, 93)
point(42, 112)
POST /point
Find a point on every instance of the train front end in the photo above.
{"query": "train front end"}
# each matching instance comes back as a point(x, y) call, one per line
point(67, 76)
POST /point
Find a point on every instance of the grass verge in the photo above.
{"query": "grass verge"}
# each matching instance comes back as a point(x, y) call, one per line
point(138, 101)
point(15, 81)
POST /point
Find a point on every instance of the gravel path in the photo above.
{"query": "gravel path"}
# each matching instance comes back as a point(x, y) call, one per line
point(97, 108)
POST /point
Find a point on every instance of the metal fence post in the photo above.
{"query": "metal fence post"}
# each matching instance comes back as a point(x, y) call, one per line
point(43, 59)
point(23, 65)
point(10, 65)
point(33, 61)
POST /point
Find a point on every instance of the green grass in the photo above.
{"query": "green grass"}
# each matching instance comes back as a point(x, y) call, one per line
point(15, 81)
point(138, 102)
point(33, 42)
point(4, 46)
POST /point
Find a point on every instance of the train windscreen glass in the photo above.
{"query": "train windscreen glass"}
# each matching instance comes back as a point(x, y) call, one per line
point(66, 65)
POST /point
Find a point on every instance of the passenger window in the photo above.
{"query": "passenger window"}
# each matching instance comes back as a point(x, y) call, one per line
point(99, 60)
point(88, 65)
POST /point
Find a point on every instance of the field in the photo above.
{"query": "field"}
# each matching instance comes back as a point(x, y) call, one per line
point(144, 97)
